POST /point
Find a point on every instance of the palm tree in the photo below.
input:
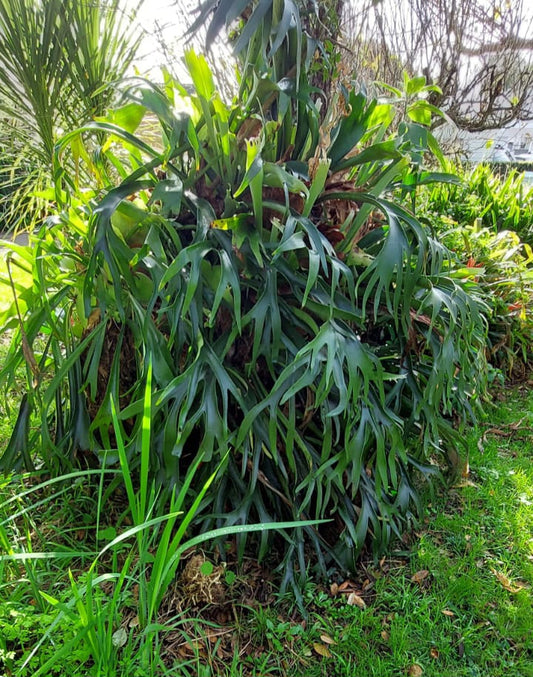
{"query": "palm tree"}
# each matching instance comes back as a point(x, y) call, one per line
point(59, 62)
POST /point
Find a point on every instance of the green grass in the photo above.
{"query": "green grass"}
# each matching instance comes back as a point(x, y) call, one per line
point(454, 600)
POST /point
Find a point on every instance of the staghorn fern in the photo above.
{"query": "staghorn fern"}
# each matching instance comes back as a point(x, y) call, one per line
point(311, 332)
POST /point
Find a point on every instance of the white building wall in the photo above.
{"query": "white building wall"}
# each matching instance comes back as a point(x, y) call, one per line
point(485, 146)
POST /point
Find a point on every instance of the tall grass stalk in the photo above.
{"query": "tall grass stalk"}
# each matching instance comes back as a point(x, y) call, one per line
point(144, 557)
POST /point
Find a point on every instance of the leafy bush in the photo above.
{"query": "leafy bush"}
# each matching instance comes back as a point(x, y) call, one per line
point(488, 222)
point(303, 332)
point(501, 203)
point(503, 168)
point(501, 266)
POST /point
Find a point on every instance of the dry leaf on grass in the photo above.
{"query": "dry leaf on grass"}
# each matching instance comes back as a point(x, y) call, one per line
point(327, 639)
point(415, 670)
point(119, 638)
point(321, 649)
point(447, 612)
point(506, 583)
point(465, 483)
point(355, 600)
point(420, 576)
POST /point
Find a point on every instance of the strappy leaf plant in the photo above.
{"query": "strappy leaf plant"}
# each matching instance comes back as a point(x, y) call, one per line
point(301, 325)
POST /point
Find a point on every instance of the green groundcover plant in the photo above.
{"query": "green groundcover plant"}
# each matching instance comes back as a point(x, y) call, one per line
point(486, 221)
point(305, 335)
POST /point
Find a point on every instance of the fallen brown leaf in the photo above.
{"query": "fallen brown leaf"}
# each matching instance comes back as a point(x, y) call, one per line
point(433, 652)
point(466, 483)
point(420, 576)
point(327, 639)
point(507, 584)
point(321, 649)
point(415, 670)
point(355, 600)
point(449, 613)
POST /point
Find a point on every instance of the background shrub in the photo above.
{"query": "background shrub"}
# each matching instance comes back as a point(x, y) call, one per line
point(487, 221)
point(499, 202)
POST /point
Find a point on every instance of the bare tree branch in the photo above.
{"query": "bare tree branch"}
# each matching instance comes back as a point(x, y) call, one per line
point(479, 52)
